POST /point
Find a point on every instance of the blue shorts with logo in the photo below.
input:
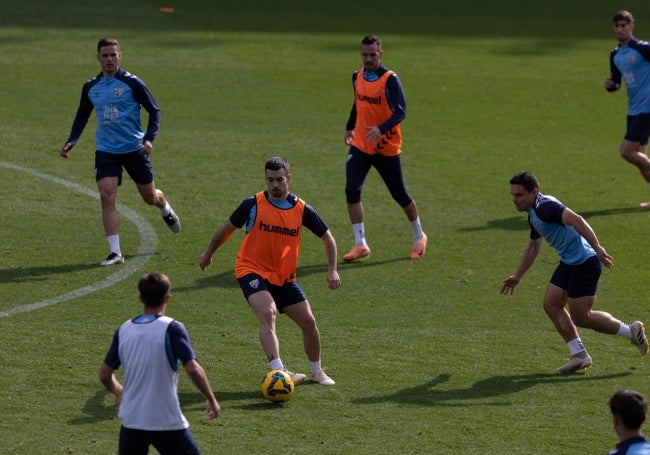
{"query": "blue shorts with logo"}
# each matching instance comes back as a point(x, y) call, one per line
point(285, 295)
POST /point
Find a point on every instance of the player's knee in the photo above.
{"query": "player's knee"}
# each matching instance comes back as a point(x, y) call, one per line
point(308, 325)
point(627, 152)
point(549, 310)
point(107, 193)
point(580, 320)
point(401, 197)
point(404, 201)
point(269, 315)
point(353, 196)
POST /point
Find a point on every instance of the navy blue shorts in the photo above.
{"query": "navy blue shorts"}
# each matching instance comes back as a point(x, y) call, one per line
point(137, 165)
point(638, 128)
point(173, 442)
point(285, 295)
point(389, 168)
point(578, 280)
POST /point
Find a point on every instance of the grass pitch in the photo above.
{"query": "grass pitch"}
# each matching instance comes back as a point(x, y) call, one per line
point(428, 357)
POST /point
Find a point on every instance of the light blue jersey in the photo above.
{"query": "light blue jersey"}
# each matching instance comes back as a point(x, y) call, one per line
point(631, 64)
point(117, 101)
point(545, 219)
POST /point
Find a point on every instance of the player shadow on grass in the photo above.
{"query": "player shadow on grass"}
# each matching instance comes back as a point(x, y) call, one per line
point(30, 274)
point(101, 406)
point(518, 223)
point(477, 393)
point(226, 279)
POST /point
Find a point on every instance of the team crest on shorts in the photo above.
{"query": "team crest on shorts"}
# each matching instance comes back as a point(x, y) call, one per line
point(254, 283)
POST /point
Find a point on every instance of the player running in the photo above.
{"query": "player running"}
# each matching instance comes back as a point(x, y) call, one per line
point(575, 280)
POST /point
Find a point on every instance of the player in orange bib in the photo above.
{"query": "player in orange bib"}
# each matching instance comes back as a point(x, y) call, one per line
point(266, 263)
point(375, 139)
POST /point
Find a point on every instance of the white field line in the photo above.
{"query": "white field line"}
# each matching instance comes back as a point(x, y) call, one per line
point(148, 244)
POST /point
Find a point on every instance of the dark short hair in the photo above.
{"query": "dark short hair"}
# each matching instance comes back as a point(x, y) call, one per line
point(107, 42)
point(525, 179)
point(275, 163)
point(371, 39)
point(623, 15)
point(630, 406)
point(154, 287)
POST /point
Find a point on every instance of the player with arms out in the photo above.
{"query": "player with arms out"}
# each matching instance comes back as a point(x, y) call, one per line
point(575, 279)
point(267, 260)
point(117, 97)
point(630, 62)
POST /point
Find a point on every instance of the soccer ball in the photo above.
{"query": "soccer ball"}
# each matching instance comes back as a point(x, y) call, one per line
point(277, 386)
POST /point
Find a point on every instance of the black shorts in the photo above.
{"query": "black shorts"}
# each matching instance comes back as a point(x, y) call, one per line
point(638, 128)
point(578, 280)
point(138, 166)
point(285, 295)
point(172, 442)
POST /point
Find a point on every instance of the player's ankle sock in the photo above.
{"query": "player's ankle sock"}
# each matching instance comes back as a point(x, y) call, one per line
point(315, 367)
point(166, 210)
point(416, 227)
point(624, 331)
point(576, 347)
point(359, 234)
point(114, 244)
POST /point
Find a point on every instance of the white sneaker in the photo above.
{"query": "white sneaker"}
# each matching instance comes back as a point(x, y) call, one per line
point(577, 362)
point(295, 377)
point(638, 337)
point(112, 259)
point(322, 378)
point(172, 221)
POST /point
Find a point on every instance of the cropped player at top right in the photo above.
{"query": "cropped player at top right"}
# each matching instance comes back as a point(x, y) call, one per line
point(630, 62)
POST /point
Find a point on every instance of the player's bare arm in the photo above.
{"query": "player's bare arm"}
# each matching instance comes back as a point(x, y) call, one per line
point(527, 259)
point(570, 218)
point(107, 377)
point(329, 243)
point(200, 380)
point(219, 238)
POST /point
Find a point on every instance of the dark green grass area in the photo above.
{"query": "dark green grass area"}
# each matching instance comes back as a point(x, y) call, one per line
point(551, 19)
point(428, 357)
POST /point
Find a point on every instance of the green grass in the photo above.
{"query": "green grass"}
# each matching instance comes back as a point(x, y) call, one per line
point(428, 357)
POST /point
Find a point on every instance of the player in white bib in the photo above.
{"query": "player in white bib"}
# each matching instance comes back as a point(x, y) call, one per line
point(149, 348)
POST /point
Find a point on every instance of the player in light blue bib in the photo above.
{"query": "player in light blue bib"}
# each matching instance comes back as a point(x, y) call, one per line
point(629, 62)
point(575, 279)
